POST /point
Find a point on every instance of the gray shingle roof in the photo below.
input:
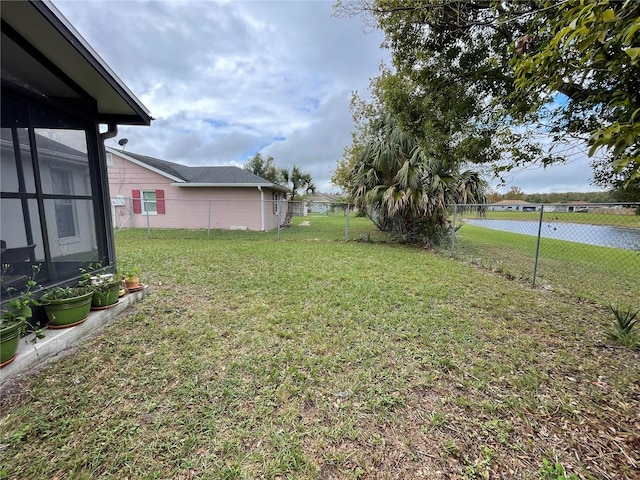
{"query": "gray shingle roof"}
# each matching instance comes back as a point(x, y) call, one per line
point(173, 169)
point(208, 175)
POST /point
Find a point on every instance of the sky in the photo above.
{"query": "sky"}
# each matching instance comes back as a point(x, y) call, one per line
point(225, 80)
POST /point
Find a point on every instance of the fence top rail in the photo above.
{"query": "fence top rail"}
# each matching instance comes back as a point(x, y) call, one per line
point(529, 204)
point(119, 201)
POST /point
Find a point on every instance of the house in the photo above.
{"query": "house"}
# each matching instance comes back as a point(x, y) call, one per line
point(321, 202)
point(56, 94)
point(147, 191)
point(578, 206)
point(574, 206)
point(513, 205)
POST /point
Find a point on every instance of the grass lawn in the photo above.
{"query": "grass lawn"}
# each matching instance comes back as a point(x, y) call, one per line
point(600, 274)
point(316, 358)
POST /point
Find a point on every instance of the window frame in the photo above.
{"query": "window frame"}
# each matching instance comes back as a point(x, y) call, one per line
point(68, 176)
point(144, 202)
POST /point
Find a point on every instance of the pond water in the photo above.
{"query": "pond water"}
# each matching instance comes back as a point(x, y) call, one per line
point(602, 235)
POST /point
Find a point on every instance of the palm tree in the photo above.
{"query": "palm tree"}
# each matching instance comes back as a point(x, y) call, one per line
point(405, 190)
point(298, 181)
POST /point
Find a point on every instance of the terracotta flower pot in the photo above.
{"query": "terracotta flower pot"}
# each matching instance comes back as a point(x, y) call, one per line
point(132, 283)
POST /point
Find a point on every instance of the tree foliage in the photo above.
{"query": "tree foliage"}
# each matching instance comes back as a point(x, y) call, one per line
point(404, 189)
point(298, 181)
point(514, 193)
point(450, 84)
point(563, 197)
point(264, 168)
point(590, 52)
point(362, 112)
point(482, 79)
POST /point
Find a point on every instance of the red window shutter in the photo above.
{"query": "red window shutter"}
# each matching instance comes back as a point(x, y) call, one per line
point(160, 201)
point(137, 205)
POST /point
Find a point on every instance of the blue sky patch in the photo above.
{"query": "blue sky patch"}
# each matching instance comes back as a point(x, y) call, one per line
point(216, 123)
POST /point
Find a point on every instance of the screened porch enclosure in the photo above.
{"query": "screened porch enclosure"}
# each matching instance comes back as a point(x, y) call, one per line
point(60, 102)
point(49, 202)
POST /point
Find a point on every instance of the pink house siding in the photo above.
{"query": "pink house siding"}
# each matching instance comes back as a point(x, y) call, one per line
point(190, 207)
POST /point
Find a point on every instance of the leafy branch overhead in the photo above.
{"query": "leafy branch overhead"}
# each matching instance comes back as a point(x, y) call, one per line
point(590, 52)
point(492, 81)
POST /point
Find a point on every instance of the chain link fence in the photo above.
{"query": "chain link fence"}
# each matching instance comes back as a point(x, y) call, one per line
point(273, 219)
point(590, 250)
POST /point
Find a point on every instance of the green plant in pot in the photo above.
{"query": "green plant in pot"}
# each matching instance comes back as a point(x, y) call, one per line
point(13, 319)
point(105, 293)
point(106, 288)
point(132, 279)
point(67, 306)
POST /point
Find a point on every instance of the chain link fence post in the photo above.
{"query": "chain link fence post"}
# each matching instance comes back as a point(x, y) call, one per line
point(346, 226)
point(535, 262)
point(209, 222)
point(453, 231)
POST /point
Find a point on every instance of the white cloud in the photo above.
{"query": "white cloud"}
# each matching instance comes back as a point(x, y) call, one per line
point(574, 176)
point(225, 80)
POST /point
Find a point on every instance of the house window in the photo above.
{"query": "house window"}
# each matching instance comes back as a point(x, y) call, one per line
point(274, 198)
point(109, 160)
point(149, 204)
point(64, 212)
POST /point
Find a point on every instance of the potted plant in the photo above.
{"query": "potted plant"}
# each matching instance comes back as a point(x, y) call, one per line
point(105, 293)
point(13, 319)
point(132, 280)
point(106, 288)
point(67, 306)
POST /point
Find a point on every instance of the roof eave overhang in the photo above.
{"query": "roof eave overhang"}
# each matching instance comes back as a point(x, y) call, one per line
point(42, 25)
point(123, 119)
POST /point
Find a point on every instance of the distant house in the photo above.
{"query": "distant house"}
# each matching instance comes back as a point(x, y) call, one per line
point(162, 194)
point(578, 206)
point(575, 206)
point(321, 202)
point(513, 205)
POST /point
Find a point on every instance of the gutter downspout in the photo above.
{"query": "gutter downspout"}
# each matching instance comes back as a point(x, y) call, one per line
point(112, 131)
point(261, 207)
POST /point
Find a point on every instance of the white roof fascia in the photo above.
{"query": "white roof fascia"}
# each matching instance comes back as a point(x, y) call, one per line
point(178, 181)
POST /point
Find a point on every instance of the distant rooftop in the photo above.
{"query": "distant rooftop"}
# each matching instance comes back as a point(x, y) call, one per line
point(511, 202)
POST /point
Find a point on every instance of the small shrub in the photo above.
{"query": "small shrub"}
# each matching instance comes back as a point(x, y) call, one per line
point(623, 325)
point(554, 471)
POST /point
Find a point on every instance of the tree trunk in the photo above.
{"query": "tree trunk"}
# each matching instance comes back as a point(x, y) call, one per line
point(288, 216)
